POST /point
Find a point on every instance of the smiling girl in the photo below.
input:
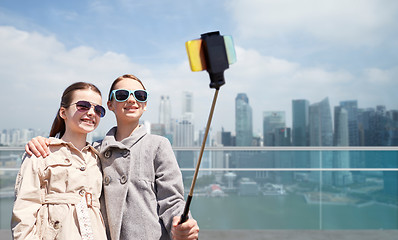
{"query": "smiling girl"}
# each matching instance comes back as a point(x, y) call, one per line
point(143, 187)
point(142, 184)
point(58, 197)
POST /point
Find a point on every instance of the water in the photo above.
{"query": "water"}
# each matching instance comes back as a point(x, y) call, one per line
point(5, 212)
point(288, 212)
point(272, 212)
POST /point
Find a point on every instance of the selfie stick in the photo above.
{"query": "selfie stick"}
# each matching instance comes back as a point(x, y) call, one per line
point(213, 53)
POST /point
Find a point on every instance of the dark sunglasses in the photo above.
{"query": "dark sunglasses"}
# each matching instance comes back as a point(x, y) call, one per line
point(122, 95)
point(83, 106)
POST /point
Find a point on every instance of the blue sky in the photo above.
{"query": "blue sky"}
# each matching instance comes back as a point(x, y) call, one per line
point(286, 49)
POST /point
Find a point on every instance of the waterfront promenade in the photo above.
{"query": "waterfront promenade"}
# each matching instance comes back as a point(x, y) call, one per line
point(283, 234)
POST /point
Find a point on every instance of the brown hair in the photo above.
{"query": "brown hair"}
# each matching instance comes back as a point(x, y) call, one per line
point(58, 126)
point(131, 76)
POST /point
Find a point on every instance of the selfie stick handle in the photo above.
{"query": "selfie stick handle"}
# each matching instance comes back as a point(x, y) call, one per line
point(184, 216)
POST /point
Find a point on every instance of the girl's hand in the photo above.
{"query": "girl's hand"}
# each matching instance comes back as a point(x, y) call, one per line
point(189, 230)
point(38, 146)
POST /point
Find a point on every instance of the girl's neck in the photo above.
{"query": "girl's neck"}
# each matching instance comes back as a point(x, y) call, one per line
point(77, 139)
point(124, 130)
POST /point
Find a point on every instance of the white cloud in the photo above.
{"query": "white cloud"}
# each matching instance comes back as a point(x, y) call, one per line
point(38, 68)
point(354, 22)
point(379, 76)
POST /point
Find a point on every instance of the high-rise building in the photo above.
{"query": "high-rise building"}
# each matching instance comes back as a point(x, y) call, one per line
point(341, 138)
point(373, 126)
point(353, 132)
point(187, 106)
point(224, 138)
point(283, 159)
point(165, 113)
point(243, 120)
point(320, 124)
point(341, 129)
point(321, 134)
point(393, 128)
point(300, 109)
point(300, 131)
point(184, 137)
point(272, 120)
point(184, 133)
point(282, 137)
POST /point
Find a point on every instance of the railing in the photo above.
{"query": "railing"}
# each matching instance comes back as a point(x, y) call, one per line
point(302, 188)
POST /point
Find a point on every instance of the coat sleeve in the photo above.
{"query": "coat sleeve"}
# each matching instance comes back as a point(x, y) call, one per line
point(169, 185)
point(27, 200)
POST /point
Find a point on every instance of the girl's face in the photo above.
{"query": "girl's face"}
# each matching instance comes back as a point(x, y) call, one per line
point(80, 120)
point(129, 111)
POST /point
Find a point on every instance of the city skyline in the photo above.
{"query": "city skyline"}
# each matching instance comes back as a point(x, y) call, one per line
point(308, 50)
point(341, 126)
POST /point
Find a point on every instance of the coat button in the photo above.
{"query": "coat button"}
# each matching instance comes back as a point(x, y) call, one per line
point(82, 168)
point(108, 154)
point(56, 225)
point(107, 180)
point(126, 153)
point(82, 192)
point(123, 179)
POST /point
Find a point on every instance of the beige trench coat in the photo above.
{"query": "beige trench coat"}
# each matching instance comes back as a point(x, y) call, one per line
point(47, 191)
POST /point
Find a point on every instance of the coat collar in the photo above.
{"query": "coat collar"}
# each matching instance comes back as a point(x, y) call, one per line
point(58, 141)
point(110, 139)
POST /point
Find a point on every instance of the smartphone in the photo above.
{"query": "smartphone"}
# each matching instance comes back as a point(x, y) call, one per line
point(196, 55)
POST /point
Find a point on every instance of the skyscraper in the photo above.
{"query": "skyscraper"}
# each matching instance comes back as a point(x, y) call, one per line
point(187, 106)
point(341, 129)
point(320, 124)
point(272, 120)
point(373, 126)
point(353, 132)
point(341, 138)
point(165, 113)
point(184, 132)
point(321, 134)
point(243, 120)
point(300, 109)
point(184, 128)
point(393, 126)
point(184, 137)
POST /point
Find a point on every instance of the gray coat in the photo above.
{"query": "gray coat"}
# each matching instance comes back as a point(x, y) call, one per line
point(143, 187)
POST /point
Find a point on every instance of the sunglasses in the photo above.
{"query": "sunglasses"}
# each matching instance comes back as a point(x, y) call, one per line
point(122, 95)
point(84, 106)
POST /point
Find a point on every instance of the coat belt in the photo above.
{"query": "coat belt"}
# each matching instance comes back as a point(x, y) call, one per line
point(70, 198)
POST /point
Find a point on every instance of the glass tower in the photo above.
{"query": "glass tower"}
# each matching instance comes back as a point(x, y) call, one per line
point(243, 120)
point(300, 109)
point(321, 134)
point(165, 113)
point(341, 138)
point(272, 122)
point(353, 131)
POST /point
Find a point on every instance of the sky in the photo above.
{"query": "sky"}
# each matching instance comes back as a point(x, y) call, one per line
point(286, 49)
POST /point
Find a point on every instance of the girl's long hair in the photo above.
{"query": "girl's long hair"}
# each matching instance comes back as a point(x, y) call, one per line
point(58, 127)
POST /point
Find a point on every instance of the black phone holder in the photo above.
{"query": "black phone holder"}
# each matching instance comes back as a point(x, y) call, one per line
point(216, 58)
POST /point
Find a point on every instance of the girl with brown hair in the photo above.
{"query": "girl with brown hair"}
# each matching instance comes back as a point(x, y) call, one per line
point(58, 197)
